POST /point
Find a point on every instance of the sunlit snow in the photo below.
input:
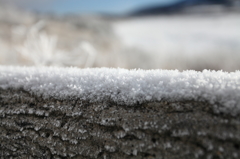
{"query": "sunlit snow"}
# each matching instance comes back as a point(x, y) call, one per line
point(127, 87)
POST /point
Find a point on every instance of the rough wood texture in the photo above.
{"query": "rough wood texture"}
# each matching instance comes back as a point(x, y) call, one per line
point(31, 127)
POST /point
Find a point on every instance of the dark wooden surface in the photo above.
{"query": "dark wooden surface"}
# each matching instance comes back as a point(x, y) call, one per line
point(33, 127)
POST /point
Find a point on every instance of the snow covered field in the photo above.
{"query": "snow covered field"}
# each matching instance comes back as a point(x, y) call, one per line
point(128, 87)
point(186, 41)
point(183, 42)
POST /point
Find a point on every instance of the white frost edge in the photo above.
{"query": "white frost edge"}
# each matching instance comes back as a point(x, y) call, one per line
point(128, 87)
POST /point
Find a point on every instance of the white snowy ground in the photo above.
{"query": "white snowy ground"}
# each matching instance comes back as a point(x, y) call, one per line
point(175, 33)
point(188, 40)
point(127, 87)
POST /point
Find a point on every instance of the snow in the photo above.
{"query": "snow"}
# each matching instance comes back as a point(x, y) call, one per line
point(128, 87)
point(185, 41)
point(192, 34)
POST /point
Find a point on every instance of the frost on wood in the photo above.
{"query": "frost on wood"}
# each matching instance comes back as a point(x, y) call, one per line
point(125, 87)
point(116, 113)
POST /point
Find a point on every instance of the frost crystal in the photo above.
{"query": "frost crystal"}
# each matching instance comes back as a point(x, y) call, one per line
point(127, 87)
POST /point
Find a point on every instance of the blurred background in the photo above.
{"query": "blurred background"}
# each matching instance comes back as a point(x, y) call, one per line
point(146, 34)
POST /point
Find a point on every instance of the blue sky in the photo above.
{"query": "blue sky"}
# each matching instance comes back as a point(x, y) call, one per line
point(90, 6)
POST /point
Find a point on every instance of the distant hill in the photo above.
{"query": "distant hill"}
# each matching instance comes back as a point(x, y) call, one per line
point(178, 7)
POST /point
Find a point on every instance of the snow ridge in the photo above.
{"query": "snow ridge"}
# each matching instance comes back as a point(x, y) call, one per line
point(128, 87)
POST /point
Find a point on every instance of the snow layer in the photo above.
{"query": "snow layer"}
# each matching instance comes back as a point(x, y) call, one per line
point(168, 34)
point(184, 41)
point(127, 87)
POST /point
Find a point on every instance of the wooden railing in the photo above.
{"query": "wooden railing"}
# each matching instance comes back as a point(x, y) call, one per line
point(33, 127)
